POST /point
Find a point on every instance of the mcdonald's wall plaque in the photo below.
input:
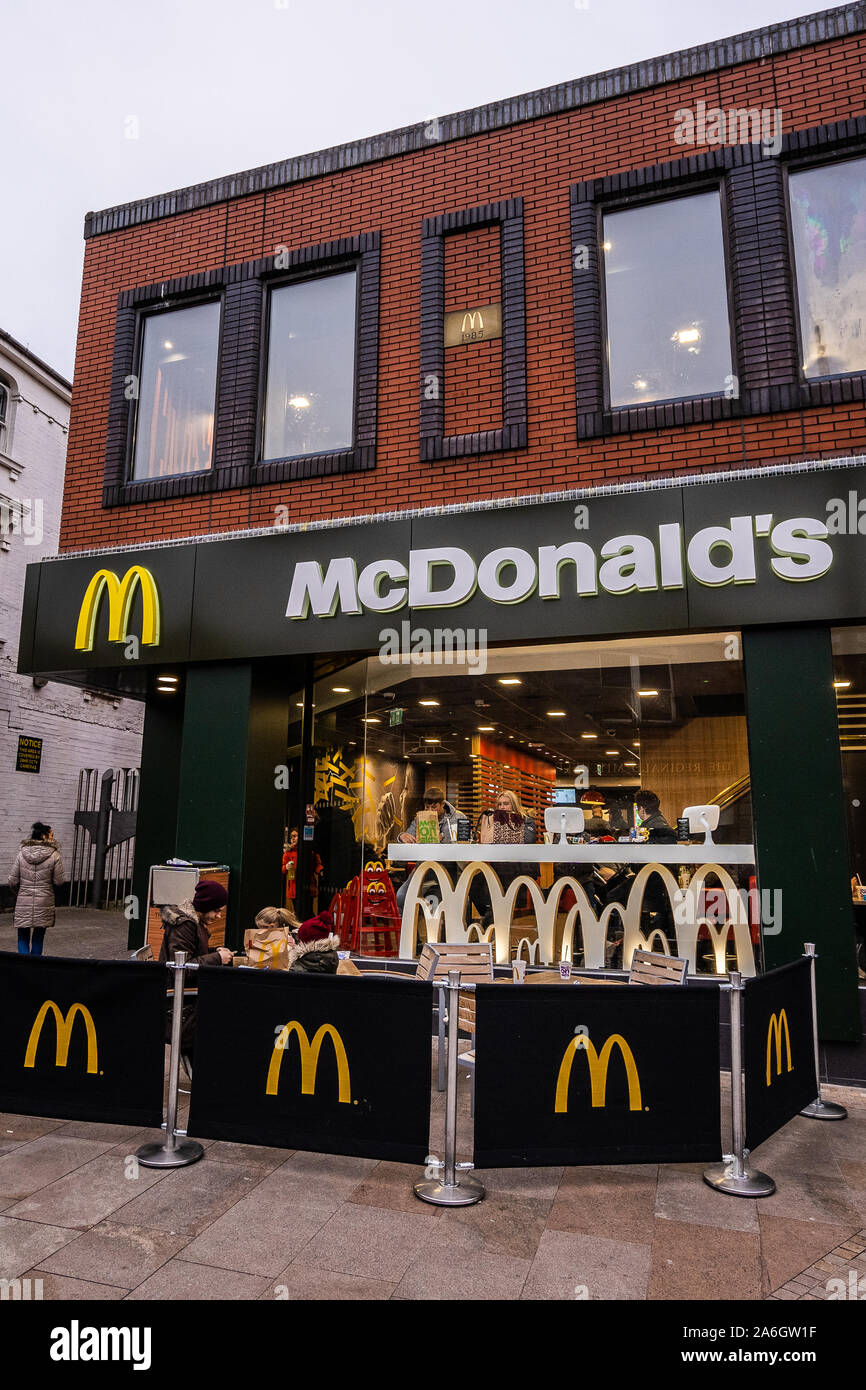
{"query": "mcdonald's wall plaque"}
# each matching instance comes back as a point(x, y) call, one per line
point(778, 1049)
point(332, 1064)
point(572, 1074)
point(29, 757)
point(82, 1039)
point(477, 325)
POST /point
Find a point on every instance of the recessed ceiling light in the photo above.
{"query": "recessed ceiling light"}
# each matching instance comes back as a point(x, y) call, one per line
point(629, 764)
point(432, 740)
point(589, 735)
point(841, 685)
point(486, 728)
point(429, 704)
point(510, 680)
point(611, 752)
point(371, 719)
point(556, 714)
point(340, 690)
point(647, 693)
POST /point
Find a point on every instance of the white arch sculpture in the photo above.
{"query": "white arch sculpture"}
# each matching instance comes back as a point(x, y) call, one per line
point(449, 916)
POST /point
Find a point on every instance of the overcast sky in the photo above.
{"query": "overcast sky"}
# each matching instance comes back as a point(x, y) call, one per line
point(216, 86)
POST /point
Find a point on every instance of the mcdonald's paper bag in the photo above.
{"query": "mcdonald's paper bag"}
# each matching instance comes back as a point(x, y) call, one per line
point(268, 948)
point(427, 825)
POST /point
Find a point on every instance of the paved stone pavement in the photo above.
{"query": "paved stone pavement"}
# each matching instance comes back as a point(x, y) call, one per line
point(78, 931)
point(78, 1215)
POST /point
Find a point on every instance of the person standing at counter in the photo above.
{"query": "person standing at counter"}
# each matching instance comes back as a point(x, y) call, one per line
point(186, 927)
point(656, 903)
point(507, 824)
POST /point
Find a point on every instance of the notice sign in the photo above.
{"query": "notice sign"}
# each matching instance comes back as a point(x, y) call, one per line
point(29, 754)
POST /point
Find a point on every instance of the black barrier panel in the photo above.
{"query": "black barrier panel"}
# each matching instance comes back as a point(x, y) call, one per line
point(334, 1064)
point(82, 1039)
point(595, 1074)
point(778, 1049)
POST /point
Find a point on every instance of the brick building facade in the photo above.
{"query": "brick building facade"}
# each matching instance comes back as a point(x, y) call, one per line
point(508, 206)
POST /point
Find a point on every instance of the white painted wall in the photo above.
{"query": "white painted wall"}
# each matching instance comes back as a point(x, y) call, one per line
point(78, 729)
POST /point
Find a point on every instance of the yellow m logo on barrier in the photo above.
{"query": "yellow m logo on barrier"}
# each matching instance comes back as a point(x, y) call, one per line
point(64, 1035)
point(310, 1060)
point(598, 1065)
point(121, 593)
point(775, 1031)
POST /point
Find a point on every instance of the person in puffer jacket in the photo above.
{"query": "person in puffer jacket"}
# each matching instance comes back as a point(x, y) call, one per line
point(316, 951)
point(37, 871)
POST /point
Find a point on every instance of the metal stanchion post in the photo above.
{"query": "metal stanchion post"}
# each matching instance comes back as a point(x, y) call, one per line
point(819, 1109)
point(171, 1153)
point(449, 1190)
point(734, 1174)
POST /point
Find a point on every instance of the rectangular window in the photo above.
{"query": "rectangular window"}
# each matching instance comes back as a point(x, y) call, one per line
point(668, 330)
point(177, 390)
point(828, 222)
point(310, 391)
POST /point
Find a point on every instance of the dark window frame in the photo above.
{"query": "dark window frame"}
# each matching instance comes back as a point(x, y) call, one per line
point(762, 289)
point(434, 444)
point(241, 371)
point(795, 166)
point(669, 196)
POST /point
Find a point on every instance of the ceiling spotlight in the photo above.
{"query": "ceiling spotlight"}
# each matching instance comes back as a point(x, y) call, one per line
point(340, 690)
point(556, 714)
point(611, 752)
point(510, 680)
point(841, 685)
point(589, 735)
point(429, 704)
point(486, 729)
point(432, 740)
point(371, 719)
point(647, 694)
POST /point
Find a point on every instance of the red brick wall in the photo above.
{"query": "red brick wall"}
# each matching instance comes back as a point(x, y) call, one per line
point(537, 161)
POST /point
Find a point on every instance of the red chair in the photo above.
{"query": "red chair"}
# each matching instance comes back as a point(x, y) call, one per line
point(377, 914)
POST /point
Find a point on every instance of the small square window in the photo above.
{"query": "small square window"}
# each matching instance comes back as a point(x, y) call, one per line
point(310, 387)
point(174, 421)
point(828, 224)
point(668, 327)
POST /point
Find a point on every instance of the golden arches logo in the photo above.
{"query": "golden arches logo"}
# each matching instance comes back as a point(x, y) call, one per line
point(598, 1065)
point(310, 1060)
point(64, 1035)
point(774, 1030)
point(472, 322)
point(275, 947)
point(121, 593)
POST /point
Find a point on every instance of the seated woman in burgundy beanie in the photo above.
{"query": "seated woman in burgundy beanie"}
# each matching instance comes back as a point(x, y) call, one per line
point(186, 928)
point(316, 951)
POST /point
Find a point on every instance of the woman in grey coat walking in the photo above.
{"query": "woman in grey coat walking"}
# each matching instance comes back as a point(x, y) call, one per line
point(38, 870)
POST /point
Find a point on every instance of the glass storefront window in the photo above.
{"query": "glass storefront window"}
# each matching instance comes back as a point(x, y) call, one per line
point(310, 392)
point(828, 222)
point(590, 725)
point(668, 331)
point(177, 390)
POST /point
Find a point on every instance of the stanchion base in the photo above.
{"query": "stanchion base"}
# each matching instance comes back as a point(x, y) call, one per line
point(463, 1193)
point(185, 1151)
point(752, 1183)
point(824, 1110)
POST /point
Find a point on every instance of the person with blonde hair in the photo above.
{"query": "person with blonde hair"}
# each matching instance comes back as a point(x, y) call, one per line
point(507, 823)
point(270, 942)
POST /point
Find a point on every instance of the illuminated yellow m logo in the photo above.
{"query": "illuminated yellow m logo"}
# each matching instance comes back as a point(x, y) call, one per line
point(597, 1072)
point(121, 593)
point(64, 1035)
point(775, 1031)
point(472, 322)
point(310, 1060)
